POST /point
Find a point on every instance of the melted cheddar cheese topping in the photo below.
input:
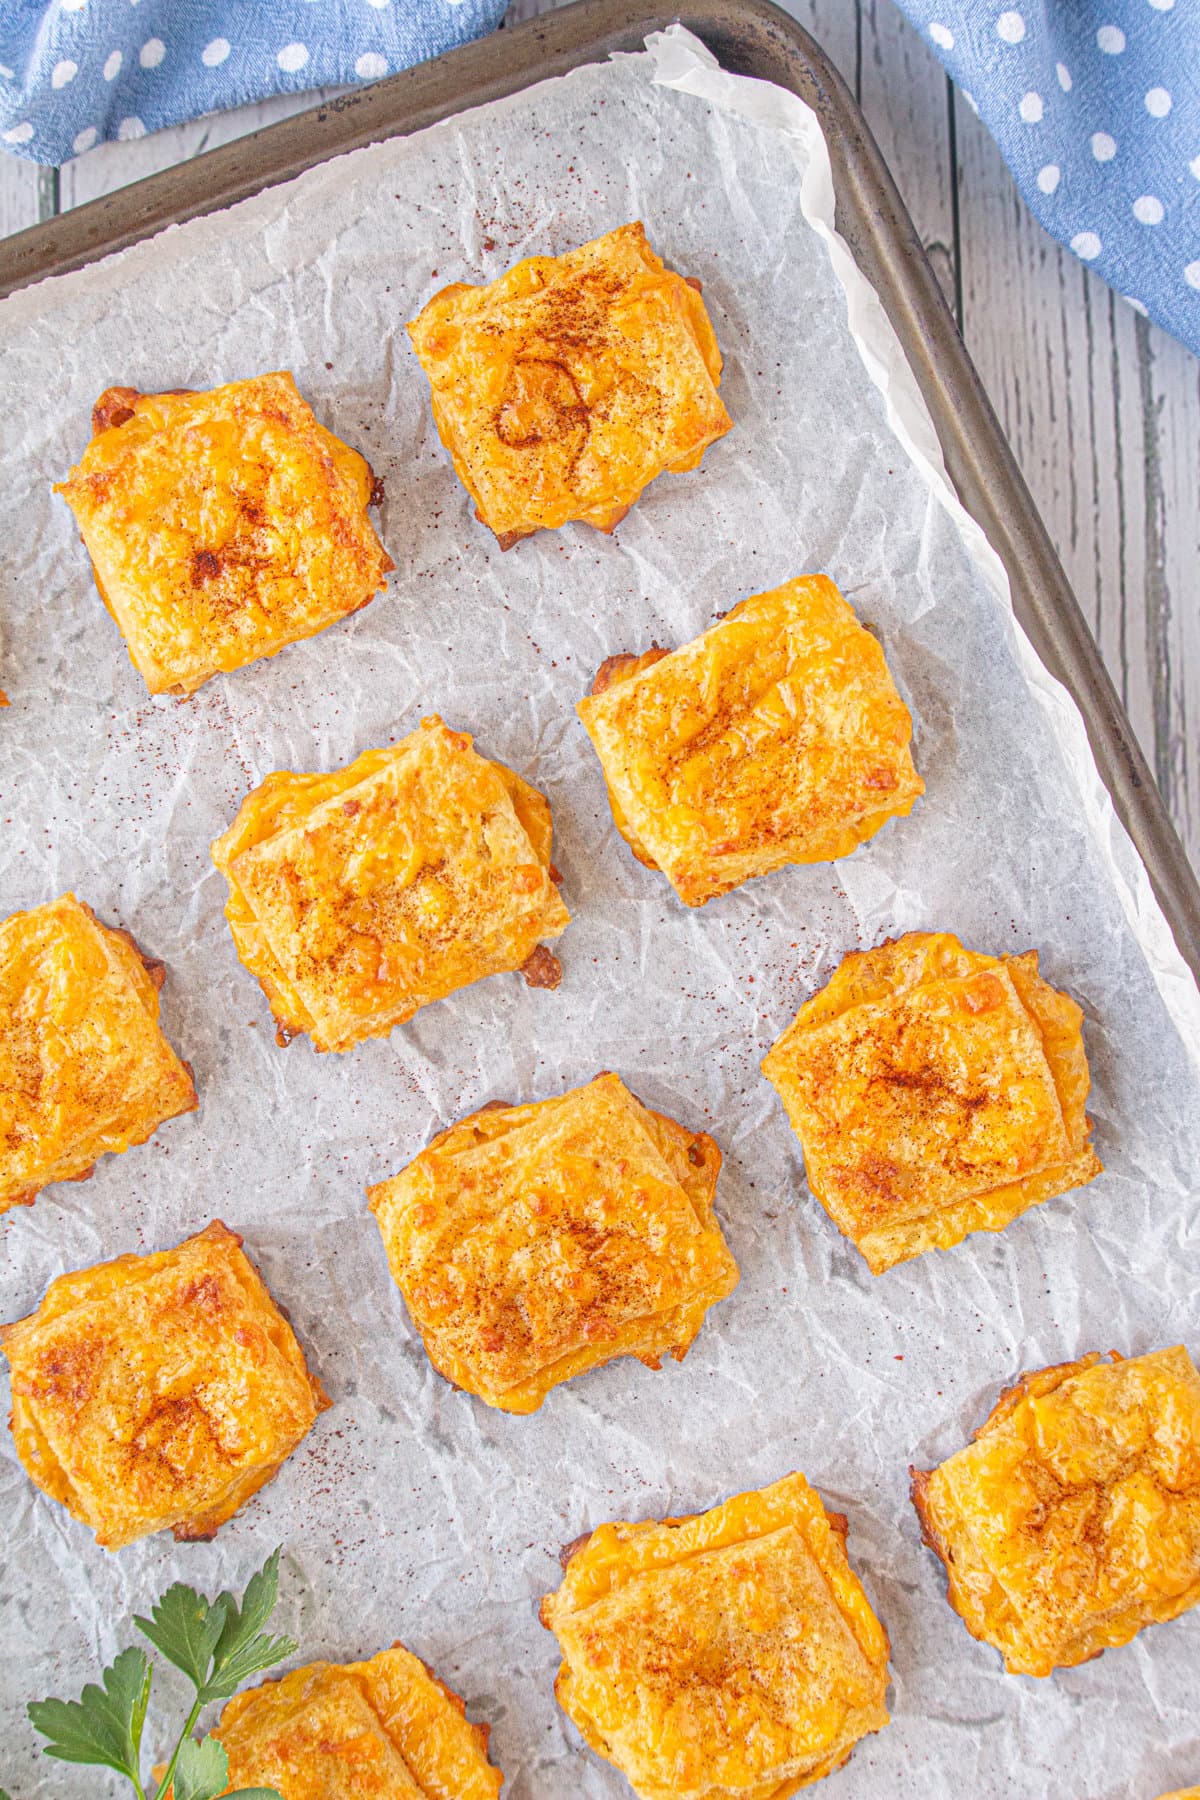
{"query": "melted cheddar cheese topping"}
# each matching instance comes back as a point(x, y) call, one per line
point(158, 1392)
point(1073, 1519)
point(360, 896)
point(732, 1655)
point(222, 525)
point(776, 737)
point(935, 1091)
point(563, 388)
point(534, 1242)
point(84, 1068)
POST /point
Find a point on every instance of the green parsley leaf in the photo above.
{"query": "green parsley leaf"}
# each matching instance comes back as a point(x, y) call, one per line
point(243, 1648)
point(104, 1726)
point(185, 1629)
point(202, 1770)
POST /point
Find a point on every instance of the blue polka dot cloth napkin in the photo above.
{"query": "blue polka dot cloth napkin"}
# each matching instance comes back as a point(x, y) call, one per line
point(75, 72)
point(1096, 107)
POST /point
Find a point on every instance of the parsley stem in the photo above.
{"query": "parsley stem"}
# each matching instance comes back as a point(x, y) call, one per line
point(164, 1785)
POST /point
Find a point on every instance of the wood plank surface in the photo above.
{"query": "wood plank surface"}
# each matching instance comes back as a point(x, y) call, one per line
point(1103, 411)
point(1102, 408)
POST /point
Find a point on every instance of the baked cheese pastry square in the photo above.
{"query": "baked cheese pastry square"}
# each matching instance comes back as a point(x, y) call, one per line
point(533, 1242)
point(384, 1729)
point(563, 388)
point(935, 1091)
point(775, 737)
point(1073, 1518)
point(222, 525)
point(158, 1392)
point(84, 1066)
point(732, 1655)
point(360, 896)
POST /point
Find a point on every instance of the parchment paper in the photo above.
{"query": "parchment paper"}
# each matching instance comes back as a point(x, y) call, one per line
point(412, 1511)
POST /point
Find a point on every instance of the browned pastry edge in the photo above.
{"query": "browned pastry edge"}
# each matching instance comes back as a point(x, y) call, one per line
point(156, 969)
point(612, 666)
point(564, 1556)
point(506, 539)
point(541, 968)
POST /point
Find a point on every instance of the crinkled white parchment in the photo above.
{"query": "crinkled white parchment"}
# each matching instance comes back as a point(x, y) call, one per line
point(412, 1511)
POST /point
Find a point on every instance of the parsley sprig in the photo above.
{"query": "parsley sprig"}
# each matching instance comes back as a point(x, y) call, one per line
point(217, 1644)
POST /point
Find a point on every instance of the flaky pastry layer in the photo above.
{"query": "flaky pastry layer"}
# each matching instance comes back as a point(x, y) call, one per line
point(776, 737)
point(222, 525)
point(534, 1242)
point(384, 1729)
point(563, 388)
point(1073, 1518)
point(935, 1091)
point(358, 897)
point(158, 1392)
point(85, 1070)
point(731, 1655)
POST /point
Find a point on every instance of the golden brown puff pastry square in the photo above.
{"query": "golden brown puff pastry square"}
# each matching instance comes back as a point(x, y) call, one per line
point(563, 388)
point(732, 1655)
point(935, 1091)
point(1073, 1518)
point(84, 1066)
point(776, 737)
point(222, 525)
point(158, 1392)
point(1192, 1793)
point(384, 1729)
point(533, 1242)
point(360, 896)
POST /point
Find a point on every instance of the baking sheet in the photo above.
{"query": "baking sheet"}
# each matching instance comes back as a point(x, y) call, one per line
point(412, 1511)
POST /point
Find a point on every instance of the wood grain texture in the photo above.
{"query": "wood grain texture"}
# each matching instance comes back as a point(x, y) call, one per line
point(28, 194)
point(1102, 409)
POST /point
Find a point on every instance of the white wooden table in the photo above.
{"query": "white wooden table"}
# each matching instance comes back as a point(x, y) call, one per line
point(1101, 408)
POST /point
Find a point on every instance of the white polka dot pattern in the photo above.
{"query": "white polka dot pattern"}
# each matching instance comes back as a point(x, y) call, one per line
point(75, 73)
point(1095, 105)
